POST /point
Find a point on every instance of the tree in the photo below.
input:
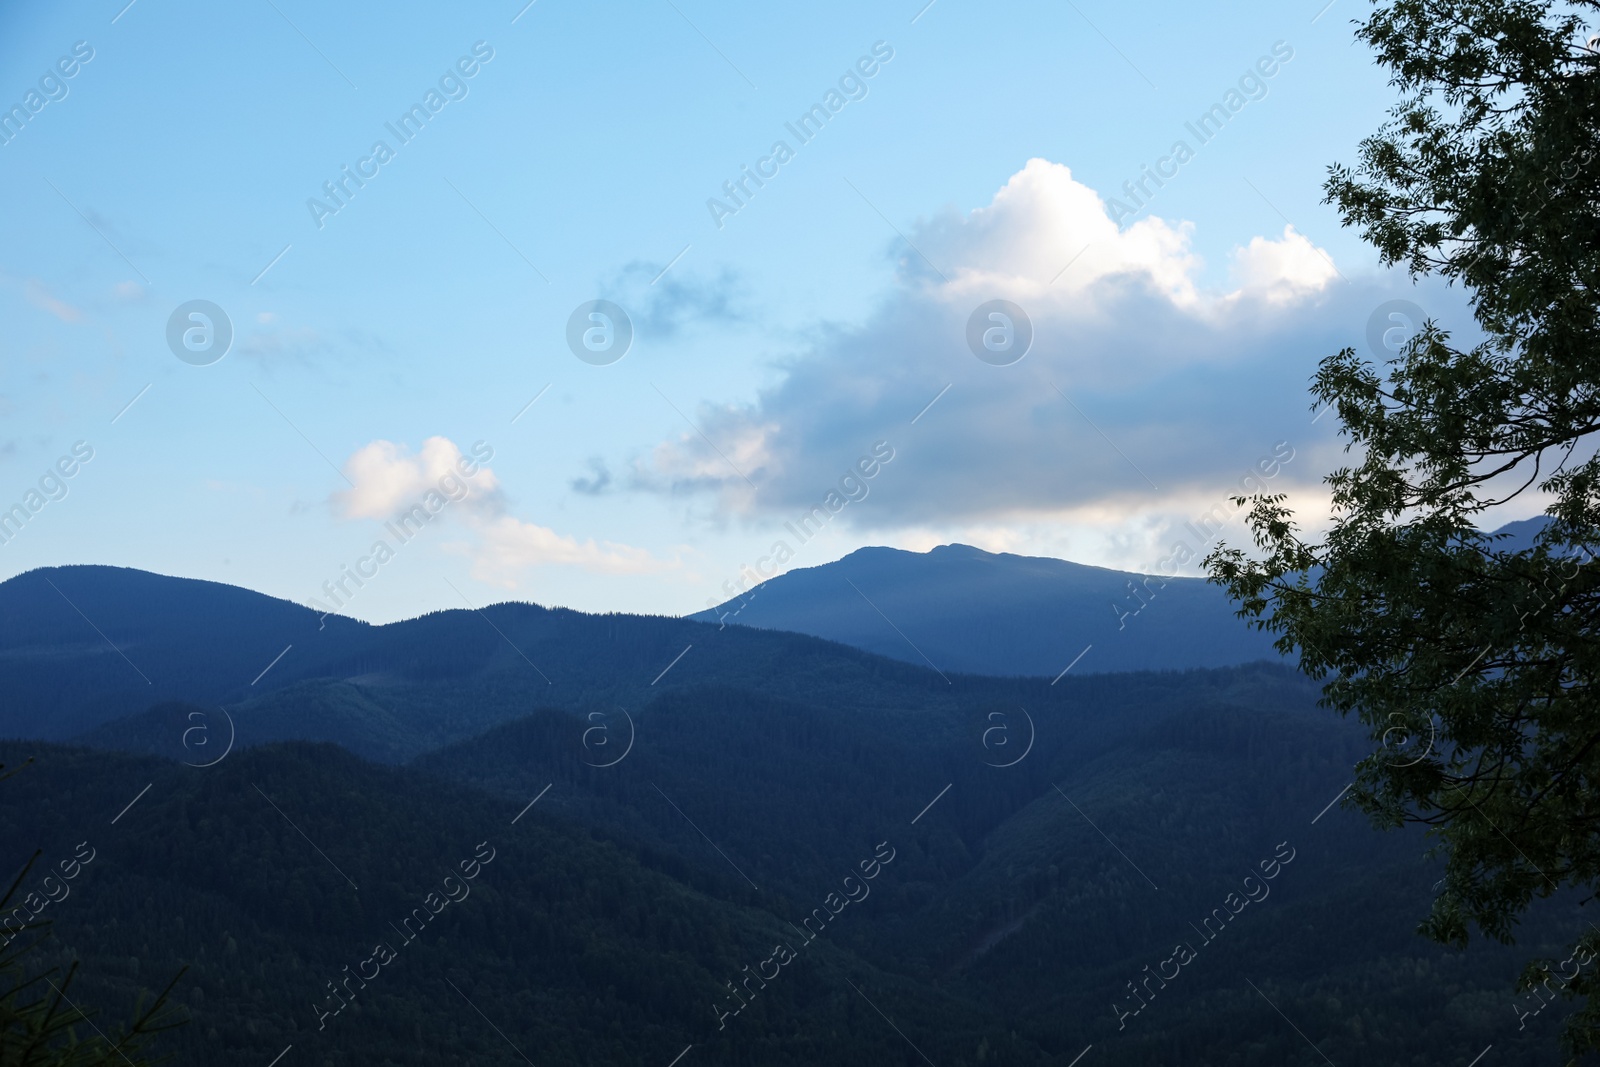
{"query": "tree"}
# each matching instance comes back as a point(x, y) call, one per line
point(40, 1024)
point(1474, 663)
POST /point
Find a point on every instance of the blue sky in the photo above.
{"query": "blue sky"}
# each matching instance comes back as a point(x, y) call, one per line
point(375, 346)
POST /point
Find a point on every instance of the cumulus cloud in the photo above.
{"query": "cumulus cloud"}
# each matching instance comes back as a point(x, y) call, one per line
point(1039, 222)
point(1282, 271)
point(386, 478)
point(1144, 380)
point(389, 481)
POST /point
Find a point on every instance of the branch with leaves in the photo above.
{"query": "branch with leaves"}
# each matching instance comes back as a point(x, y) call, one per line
point(1481, 660)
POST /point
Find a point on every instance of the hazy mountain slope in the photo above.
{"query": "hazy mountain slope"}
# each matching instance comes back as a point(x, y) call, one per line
point(143, 640)
point(1520, 536)
point(393, 692)
point(81, 645)
point(960, 608)
point(86, 646)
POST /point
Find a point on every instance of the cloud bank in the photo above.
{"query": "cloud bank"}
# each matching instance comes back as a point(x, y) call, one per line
point(1143, 381)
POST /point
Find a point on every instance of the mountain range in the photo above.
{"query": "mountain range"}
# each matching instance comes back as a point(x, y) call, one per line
point(536, 835)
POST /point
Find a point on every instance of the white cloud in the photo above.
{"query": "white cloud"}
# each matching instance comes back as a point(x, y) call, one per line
point(1144, 382)
point(510, 546)
point(1282, 271)
point(1038, 223)
point(386, 478)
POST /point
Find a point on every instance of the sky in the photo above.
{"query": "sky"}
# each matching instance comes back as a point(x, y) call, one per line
point(615, 299)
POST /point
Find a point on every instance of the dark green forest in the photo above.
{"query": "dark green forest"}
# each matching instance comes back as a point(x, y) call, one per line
point(623, 915)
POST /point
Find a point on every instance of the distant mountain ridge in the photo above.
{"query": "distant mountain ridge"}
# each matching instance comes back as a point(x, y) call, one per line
point(82, 647)
point(960, 608)
point(122, 658)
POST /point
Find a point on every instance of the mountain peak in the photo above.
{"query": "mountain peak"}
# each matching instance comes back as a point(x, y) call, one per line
point(963, 608)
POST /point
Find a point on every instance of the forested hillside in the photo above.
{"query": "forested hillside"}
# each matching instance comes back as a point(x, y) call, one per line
point(1008, 911)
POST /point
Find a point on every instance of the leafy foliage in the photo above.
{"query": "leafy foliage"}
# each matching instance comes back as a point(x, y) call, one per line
point(1473, 664)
